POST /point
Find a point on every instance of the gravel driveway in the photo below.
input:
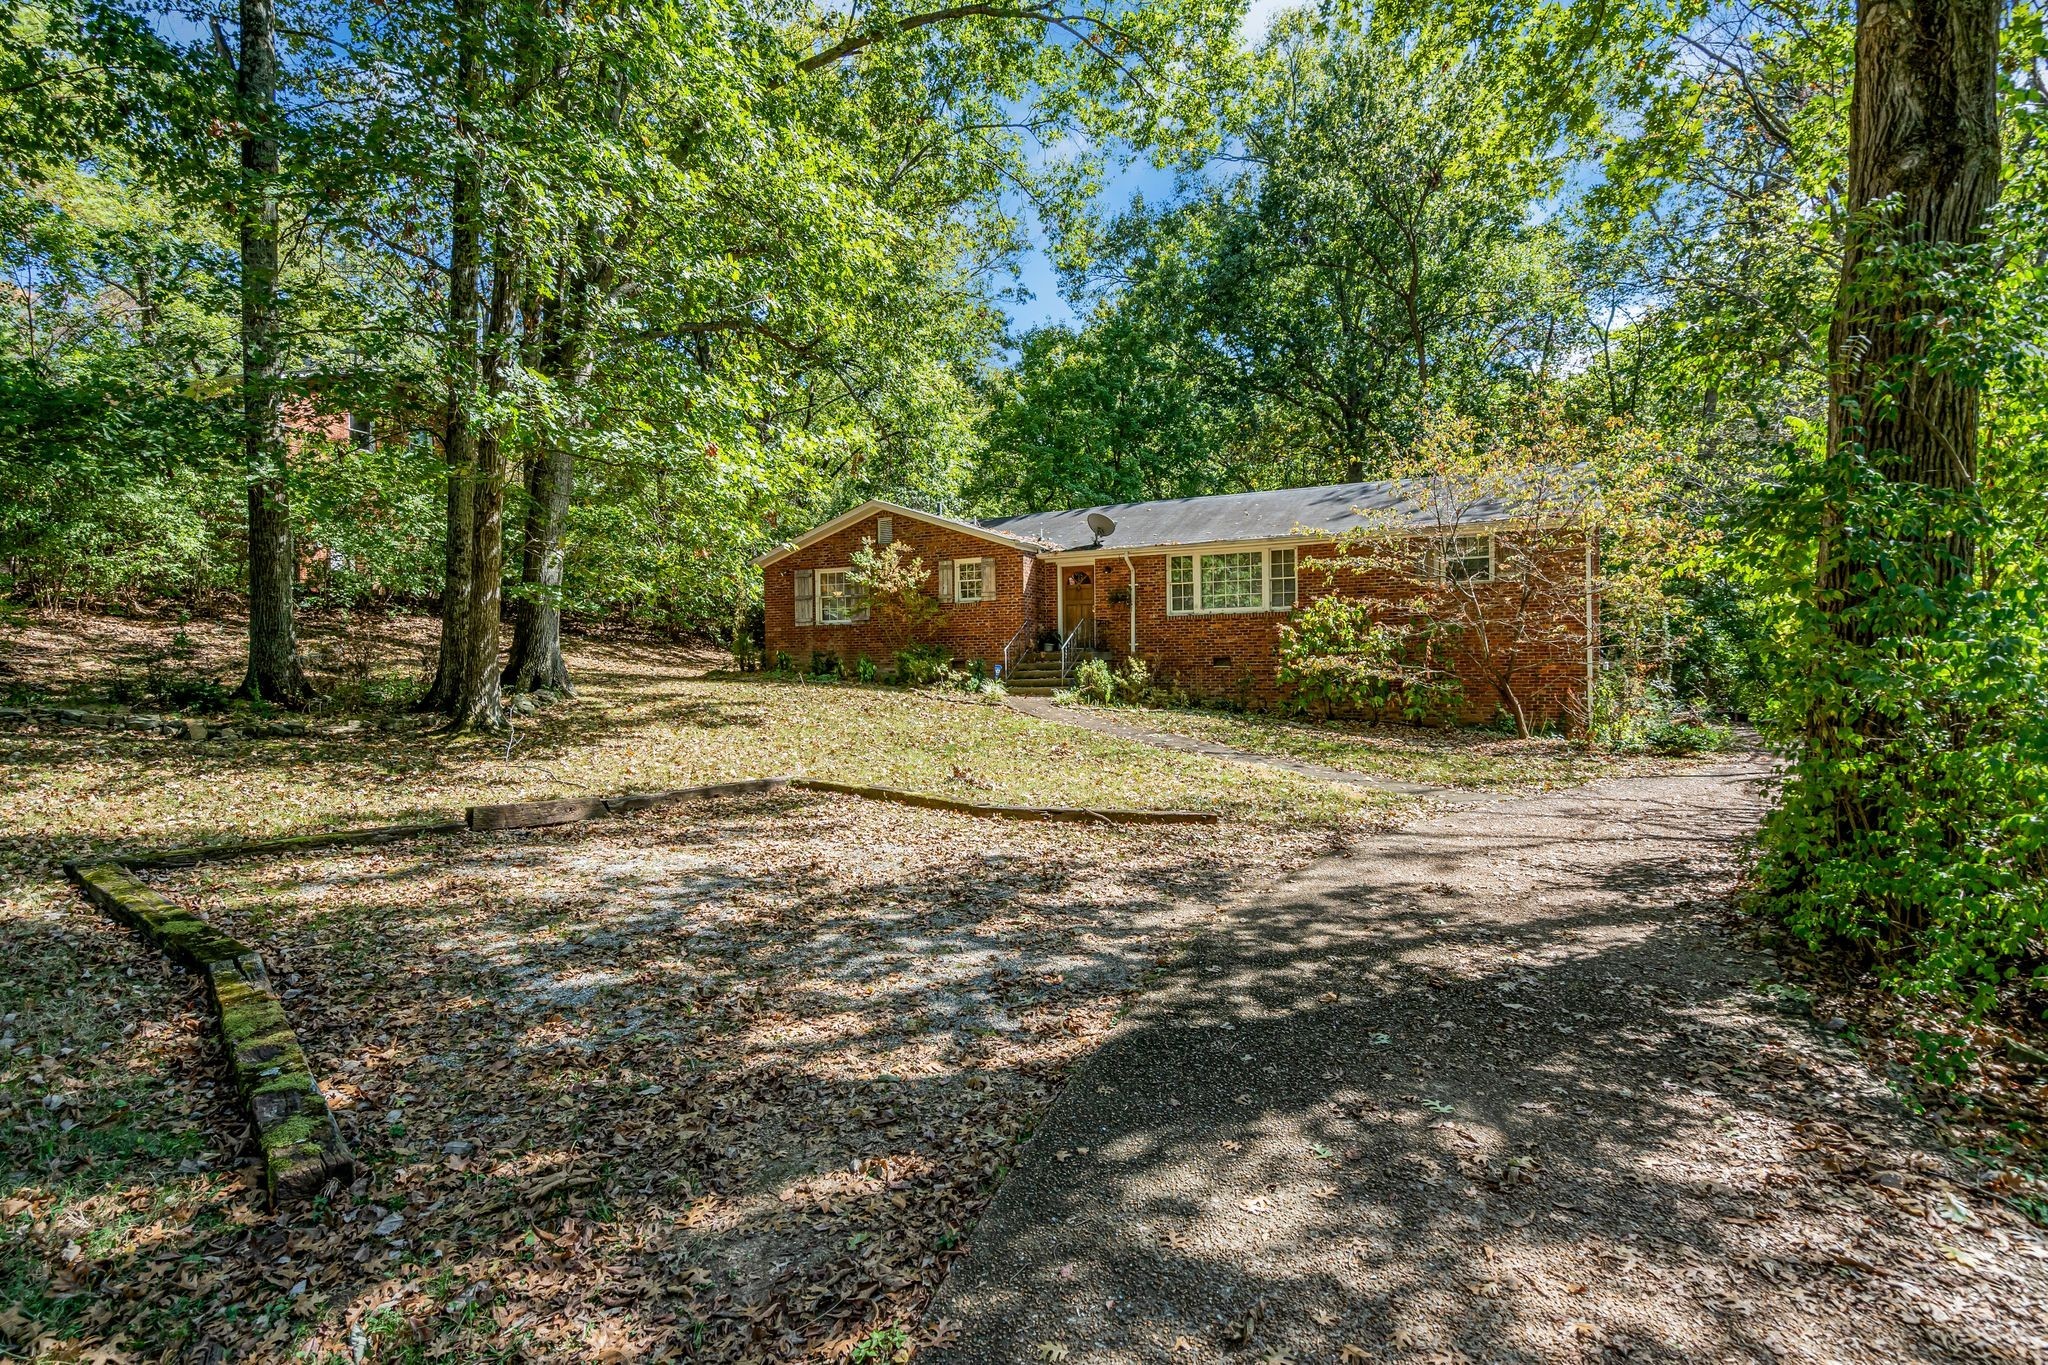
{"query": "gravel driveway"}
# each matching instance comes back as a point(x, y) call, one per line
point(1500, 1087)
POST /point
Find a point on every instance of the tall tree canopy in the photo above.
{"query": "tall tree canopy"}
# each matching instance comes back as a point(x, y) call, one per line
point(1368, 247)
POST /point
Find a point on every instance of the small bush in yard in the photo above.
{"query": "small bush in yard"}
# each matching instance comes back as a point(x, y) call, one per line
point(1095, 681)
point(1687, 733)
point(1636, 715)
point(1134, 681)
point(864, 669)
point(921, 665)
point(1335, 656)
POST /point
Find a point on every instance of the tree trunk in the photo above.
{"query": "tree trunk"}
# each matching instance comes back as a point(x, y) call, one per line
point(458, 449)
point(1923, 170)
point(480, 703)
point(1923, 135)
point(275, 673)
point(536, 661)
point(583, 281)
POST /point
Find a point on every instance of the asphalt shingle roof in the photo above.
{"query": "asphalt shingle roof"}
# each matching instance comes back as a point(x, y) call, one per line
point(1333, 508)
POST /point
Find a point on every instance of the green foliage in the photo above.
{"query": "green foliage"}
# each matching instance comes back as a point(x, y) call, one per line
point(1336, 656)
point(1368, 258)
point(1636, 714)
point(893, 581)
point(922, 665)
point(1913, 674)
point(882, 1346)
point(1128, 683)
point(864, 669)
point(1095, 681)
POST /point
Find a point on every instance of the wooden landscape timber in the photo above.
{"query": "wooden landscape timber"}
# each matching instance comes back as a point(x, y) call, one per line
point(301, 1146)
point(206, 853)
point(571, 810)
point(1073, 814)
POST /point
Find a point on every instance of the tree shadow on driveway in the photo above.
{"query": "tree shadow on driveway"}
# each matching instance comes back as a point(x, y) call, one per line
point(1497, 1087)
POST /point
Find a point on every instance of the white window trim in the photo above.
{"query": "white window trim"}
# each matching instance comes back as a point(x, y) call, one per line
point(818, 597)
point(1294, 579)
point(1265, 576)
point(1439, 552)
point(987, 569)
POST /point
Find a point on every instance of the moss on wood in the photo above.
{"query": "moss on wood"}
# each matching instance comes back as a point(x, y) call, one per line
point(301, 1146)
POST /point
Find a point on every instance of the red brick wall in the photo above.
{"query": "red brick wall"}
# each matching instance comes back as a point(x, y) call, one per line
point(1233, 655)
point(973, 630)
point(1548, 673)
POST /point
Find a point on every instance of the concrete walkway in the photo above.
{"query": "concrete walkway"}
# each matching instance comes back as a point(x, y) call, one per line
point(1044, 708)
point(1498, 1087)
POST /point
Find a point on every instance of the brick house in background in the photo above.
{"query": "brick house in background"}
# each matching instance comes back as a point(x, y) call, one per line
point(1198, 588)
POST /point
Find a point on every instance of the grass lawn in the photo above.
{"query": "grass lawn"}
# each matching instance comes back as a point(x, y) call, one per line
point(1408, 753)
point(708, 1083)
point(647, 716)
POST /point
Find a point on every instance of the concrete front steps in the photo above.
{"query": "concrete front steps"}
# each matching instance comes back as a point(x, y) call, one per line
point(1037, 673)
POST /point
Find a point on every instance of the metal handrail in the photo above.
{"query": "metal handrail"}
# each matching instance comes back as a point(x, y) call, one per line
point(1068, 645)
point(1024, 632)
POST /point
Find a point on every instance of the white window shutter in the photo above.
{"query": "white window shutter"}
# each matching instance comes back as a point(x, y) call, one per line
point(945, 580)
point(804, 597)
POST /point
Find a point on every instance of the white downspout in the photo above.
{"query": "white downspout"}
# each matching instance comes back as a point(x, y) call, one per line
point(1132, 605)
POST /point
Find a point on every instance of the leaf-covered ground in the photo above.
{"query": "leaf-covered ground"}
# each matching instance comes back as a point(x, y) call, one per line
point(717, 1082)
point(647, 716)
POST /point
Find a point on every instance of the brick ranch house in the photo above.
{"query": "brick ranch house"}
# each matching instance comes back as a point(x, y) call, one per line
point(1197, 588)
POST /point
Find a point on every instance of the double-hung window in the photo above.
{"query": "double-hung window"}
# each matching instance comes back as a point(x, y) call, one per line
point(1463, 559)
point(967, 580)
point(970, 580)
point(1280, 578)
point(1231, 580)
point(839, 600)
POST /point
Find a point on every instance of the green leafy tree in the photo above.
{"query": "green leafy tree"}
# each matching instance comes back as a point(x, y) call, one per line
point(895, 584)
point(1508, 539)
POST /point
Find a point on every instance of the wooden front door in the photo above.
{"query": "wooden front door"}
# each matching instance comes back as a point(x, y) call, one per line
point(1077, 597)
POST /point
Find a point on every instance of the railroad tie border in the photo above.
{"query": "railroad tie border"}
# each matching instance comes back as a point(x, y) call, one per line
point(301, 1146)
point(1071, 814)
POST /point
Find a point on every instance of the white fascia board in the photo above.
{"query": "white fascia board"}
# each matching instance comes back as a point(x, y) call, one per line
point(875, 505)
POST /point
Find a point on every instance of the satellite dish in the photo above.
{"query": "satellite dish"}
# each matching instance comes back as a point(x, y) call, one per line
point(1100, 525)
